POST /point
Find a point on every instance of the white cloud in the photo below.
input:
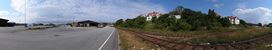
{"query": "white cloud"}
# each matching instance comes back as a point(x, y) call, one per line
point(12, 16)
point(216, 3)
point(4, 14)
point(98, 10)
point(213, 0)
point(255, 15)
point(241, 5)
point(19, 5)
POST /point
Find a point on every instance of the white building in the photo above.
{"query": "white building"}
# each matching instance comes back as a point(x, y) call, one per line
point(234, 20)
point(149, 16)
point(177, 16)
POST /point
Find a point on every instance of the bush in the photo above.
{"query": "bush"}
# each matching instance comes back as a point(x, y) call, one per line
point(181, 26)
point(138, 22)
point(118, 22)
point(225, 22)
point(186, 26)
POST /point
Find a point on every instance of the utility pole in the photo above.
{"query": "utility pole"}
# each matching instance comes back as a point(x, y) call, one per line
point(25, 13)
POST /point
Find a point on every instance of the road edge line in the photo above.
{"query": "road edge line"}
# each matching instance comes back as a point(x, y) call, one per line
point(118, 40)
point(106, 40)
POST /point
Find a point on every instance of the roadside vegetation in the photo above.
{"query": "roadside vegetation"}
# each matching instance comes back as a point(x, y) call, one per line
point(262, 47)
point(195, 27)
point(190, 21)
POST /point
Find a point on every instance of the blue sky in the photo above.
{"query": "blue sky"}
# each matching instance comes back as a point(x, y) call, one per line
point(254, 11)
point(5, 5)
point(228, 6)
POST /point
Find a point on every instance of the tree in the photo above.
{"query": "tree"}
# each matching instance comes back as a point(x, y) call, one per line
point(139, 22)
point(269, 25)
point(153, 19)
point(119, 22)
point(260, 24)
point(242, 22)
point(212, 13)
point(183, 26)
point(190, 20)
point(177, 11)
point(214, 20)
point(225, 22)
point(128, 23)
point(162, 21)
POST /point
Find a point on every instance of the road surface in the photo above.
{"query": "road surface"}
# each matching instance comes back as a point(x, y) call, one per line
point(61, 38)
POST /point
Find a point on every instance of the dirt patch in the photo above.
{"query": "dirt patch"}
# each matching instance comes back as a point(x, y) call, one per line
point(129, 41)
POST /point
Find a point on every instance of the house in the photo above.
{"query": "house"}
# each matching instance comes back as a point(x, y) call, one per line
point(177, 16)
point(149, 16)
point(86, 23)
point(234, 19)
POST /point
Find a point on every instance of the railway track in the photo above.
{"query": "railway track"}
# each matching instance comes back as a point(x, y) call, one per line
point(241, 45)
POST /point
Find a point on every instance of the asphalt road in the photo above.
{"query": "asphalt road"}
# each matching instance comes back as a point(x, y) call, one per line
point(62, 38)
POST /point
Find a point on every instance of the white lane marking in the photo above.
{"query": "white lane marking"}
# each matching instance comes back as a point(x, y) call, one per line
point(106, 40)
point(118, 40)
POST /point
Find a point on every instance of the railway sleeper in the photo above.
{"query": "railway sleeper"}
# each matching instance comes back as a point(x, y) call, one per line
point(220, 47)
point(179, 47)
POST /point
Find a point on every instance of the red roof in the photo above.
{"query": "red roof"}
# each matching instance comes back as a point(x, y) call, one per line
point(153, 14)
point(232, 17)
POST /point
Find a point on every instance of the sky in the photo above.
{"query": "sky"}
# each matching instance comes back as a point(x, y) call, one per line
point(64, 11)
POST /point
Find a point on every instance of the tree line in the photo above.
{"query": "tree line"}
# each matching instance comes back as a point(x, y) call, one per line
point(190, 20)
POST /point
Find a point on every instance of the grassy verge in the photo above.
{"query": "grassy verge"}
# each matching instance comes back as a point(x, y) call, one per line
point(213, 36)
point(129, 41)
point(231, 36)
point(262, 47)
